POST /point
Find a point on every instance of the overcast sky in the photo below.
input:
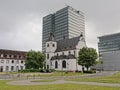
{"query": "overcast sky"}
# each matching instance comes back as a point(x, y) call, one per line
point(21, 20)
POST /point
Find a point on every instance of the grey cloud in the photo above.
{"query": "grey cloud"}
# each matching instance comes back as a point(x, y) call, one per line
point(15, 16)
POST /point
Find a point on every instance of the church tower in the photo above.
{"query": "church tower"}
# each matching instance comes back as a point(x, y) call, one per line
point(51, 46)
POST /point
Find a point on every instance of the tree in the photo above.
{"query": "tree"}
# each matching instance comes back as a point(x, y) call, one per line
point(34, 60)
point(87, 57)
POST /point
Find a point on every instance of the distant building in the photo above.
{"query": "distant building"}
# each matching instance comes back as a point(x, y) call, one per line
point(109, 51)
point(11, 60)
point(62, 55)
point(65, 23)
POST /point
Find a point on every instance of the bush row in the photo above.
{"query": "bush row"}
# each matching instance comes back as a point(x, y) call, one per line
point(91, 71)
point(36, 70)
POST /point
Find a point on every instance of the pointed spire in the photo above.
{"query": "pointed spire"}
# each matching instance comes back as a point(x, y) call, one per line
point(51, 38)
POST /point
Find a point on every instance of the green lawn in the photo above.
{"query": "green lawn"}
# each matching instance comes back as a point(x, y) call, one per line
point(107, 79)
point(4, 86)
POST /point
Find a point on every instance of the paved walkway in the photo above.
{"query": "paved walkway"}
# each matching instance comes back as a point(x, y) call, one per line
point(28, 82)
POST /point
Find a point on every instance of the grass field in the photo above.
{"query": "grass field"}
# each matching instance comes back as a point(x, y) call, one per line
point(107, 79)
point(4, 86)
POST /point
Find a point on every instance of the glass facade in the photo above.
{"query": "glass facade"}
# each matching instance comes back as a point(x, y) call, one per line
point(65, 23)
point(109, 43)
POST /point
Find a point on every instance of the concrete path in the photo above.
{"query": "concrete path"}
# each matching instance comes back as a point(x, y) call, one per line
point(28, 82)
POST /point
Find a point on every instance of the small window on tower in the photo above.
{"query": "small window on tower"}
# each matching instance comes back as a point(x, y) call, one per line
point(53, 45)
point(47, 45)
point(47, 56)
point(69, 52)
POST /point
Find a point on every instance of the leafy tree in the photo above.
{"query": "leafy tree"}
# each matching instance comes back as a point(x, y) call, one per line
point(87, 57)
point(34, 60)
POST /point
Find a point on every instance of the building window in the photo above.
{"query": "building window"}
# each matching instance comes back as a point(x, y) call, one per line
point(7, 61)
point(51, 63)
point(17, 68)
point(7, 68)
point(62, 53)
point(47, 56)
point(56, 64)
point(17, 61)
point(47, 66)
point(57, 54)
point(2, 61)
point(1, 68)
point(24, 56)
point(9, 56)
point(53, 45)
point(69, 52)
point(15, 56)
point(47, 45)
point(1, 55)
point(12, 61)
point(21, 67)
point(64, 64)
point(12, 68)
point(5, 56)
point(21, 61)
point(19, 56)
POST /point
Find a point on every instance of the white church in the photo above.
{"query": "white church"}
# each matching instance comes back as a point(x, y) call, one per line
point(62, 55)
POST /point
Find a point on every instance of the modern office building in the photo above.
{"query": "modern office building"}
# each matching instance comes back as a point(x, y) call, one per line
point(109, 43)
point(65, 23)
point(109, 51)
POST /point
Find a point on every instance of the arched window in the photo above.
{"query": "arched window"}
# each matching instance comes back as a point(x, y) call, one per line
point(56, 64)
point(64, 64)
point(69, 52)
point(53, 45)
point(7, 68)
point(47, 56)
point(21, 61)
point(12, 61)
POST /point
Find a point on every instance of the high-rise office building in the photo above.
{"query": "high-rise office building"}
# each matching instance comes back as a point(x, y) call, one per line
point(109, 51)
point(65, 23)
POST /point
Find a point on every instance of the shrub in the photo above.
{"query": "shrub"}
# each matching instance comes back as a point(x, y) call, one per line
point(91, 71)
point(36, 70)
point(29, 70)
